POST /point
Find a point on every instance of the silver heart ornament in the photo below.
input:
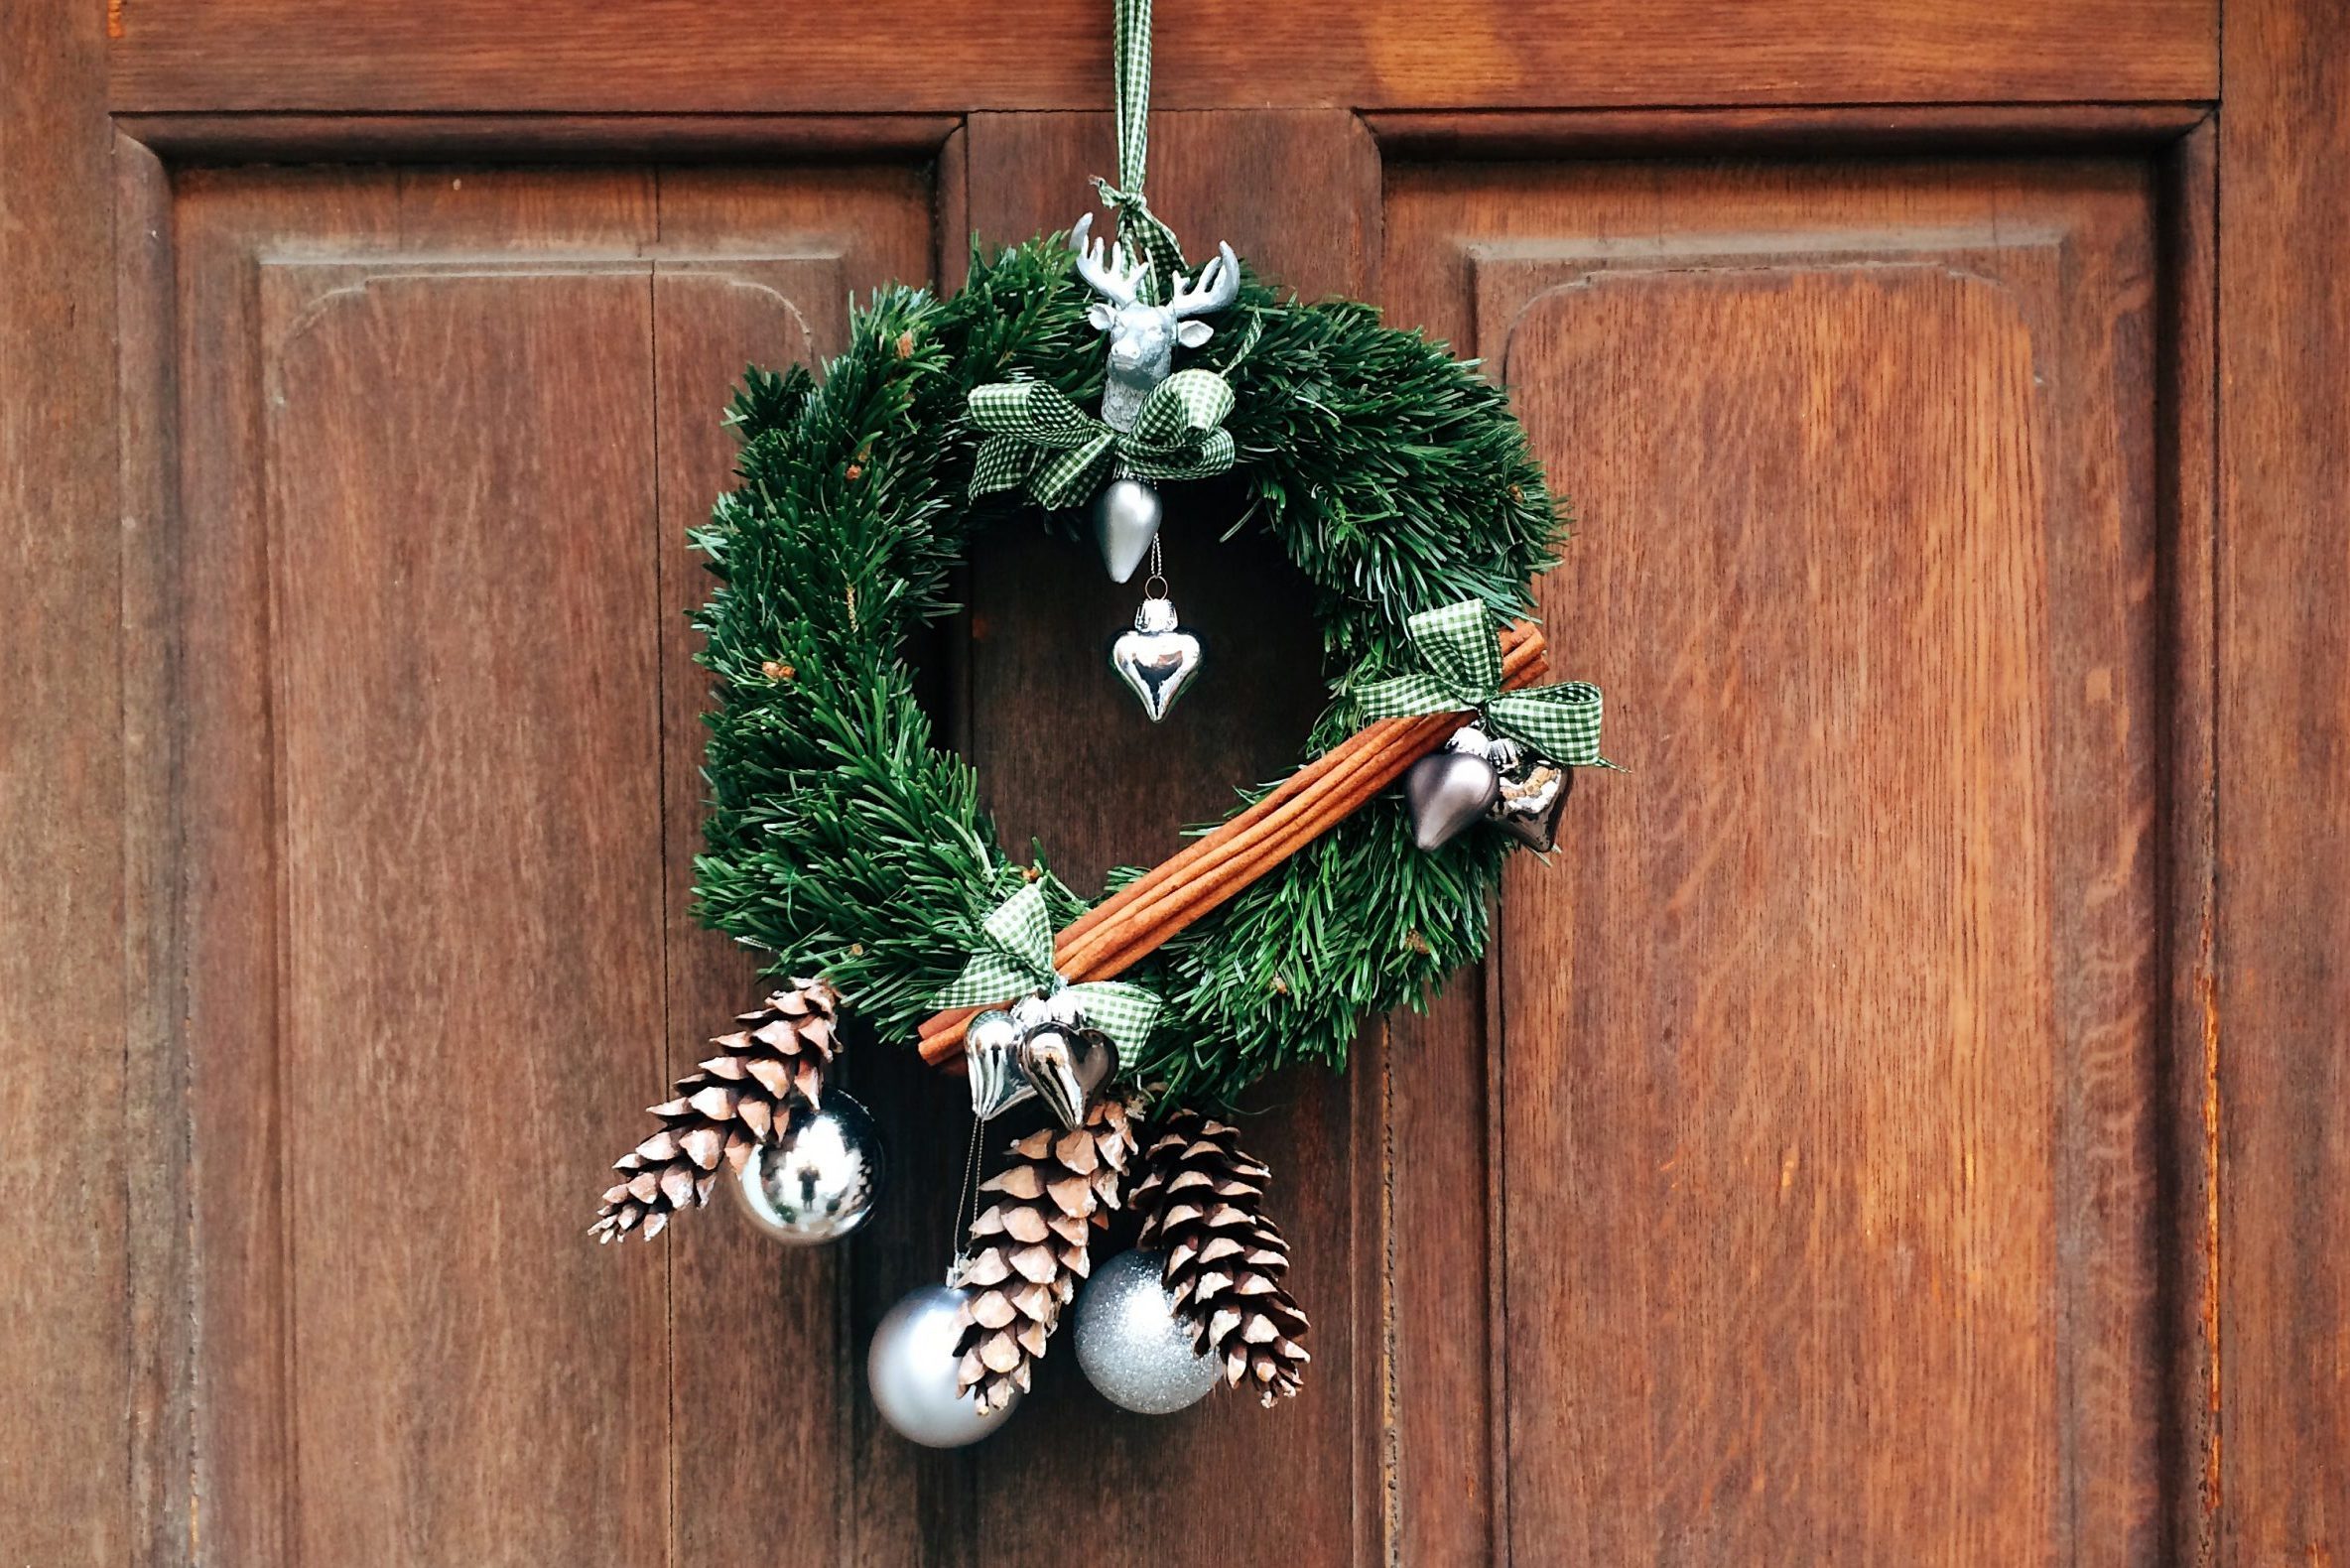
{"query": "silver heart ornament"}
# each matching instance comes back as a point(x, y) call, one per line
point(1157, 659)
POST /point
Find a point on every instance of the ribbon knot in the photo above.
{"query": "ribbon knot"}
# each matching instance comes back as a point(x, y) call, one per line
point(1015, 955)
point(1038, 437)
point(1461, 650)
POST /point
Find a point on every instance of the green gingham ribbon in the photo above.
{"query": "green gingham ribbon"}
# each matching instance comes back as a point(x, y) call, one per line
point(1138, 226)
point(1037, 437)
point(1015, 955)
point(1462, 652)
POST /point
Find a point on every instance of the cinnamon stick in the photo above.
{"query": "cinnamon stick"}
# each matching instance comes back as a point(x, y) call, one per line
point(1123, 930)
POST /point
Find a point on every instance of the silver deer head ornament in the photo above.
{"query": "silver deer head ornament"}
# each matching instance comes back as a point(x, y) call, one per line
point(1143, 335)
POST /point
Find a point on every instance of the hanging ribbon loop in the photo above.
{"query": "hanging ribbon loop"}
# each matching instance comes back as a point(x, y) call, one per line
point(1038, 438)
point(1462, 652)
point(1015, 955)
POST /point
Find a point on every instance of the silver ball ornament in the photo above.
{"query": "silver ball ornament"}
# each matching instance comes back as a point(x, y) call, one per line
point(910, 1370)
point(1135, 1349)
point(816, 1181)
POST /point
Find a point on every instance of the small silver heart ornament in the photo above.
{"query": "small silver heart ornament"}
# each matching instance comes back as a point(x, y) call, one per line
point(1157, 659)
point(1532, 796)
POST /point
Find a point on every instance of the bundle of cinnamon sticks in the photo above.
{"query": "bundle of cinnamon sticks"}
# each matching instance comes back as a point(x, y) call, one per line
point(1123, 930)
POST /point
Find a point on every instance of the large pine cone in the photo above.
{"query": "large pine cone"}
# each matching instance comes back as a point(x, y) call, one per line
point(1202, 1203)
point(732, 1104)
point(1028, 1247)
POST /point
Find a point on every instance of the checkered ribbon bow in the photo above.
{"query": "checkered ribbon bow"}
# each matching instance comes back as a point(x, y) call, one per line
point(1015, 955)
point(1462, 652)
point(1038, 437)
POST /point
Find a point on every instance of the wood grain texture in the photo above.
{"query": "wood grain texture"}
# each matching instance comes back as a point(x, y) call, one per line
point(2283, 995)
point(438, 808)
point(453, 739)
point(65, 1494)
point(1833, 1092)
point(764, 1362)
point(572, 56)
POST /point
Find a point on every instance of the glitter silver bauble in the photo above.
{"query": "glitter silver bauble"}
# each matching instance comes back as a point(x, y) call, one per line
point(1135, 1349)
point(992, 1048)
point(1532, 795)
point(910, 1370)
point(816, 1182)
point(1157, 659)
point(1126, 518)
point(1450, 789)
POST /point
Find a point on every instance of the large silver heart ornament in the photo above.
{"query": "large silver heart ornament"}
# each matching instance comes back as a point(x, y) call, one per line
point(1067, 1065)
point(1157, 659)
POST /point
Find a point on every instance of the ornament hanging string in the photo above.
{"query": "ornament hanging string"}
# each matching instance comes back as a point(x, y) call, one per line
point(1138, 226)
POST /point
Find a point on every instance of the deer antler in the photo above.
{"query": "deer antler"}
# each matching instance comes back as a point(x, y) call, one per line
point(1110, 274)
point(1218, 284)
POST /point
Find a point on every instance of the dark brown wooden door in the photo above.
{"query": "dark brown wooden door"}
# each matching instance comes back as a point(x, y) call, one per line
point(1896, 1128)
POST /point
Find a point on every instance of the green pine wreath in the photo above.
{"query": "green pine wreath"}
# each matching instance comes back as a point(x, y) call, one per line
point(843, 840)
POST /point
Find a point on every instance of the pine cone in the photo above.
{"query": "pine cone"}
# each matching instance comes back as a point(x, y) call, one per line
point(1202, 1203)
point(1028, 1247)
point(729, 1106)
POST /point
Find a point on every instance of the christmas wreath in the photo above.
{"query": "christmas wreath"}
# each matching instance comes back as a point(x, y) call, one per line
point(849, 848)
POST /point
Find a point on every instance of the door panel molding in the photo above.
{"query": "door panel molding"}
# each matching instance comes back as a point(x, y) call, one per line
point(573, 55)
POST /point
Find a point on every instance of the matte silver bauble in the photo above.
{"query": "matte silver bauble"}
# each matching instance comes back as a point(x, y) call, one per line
point(910, 1370)
point(1126, 517)
point(1157, 659)
point(1532, 796)
point(1450, 789)
point(816, 1181)
point(992, 1049)
point(1135, 1349)
point(1067, 1065)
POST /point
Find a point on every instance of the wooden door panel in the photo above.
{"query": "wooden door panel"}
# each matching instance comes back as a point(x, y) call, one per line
point(1832, 1095)
point(443, 435)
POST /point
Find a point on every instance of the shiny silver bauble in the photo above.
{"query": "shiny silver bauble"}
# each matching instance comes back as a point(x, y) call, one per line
point(1157, 659)
point(816, 1181)
point(1450, 789)
point(1134, 1347)
point(910, 1370)
point(1127, 516)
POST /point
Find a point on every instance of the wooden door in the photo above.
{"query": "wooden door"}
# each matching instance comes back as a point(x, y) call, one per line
point(1896, 1128)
